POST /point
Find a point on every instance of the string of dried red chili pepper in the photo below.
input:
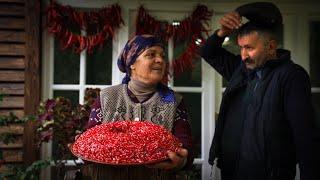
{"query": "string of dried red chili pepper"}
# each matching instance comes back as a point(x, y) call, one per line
point(192, 27)
point(108, 20)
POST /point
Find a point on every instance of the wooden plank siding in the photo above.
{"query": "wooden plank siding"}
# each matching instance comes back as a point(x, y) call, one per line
point(12, 128)
point(12, 155)
point(12, 88)
point(12, 76)
point(12, 1)
point(20, 75)
point(18, 112)
point(17, 144)
point(15, 23)
point(12, 49)
point(10, 9)
point(12, 102)
point(12, 36)
point(12, 63)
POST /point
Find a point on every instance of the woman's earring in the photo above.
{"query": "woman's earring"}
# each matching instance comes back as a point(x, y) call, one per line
point(132, 67)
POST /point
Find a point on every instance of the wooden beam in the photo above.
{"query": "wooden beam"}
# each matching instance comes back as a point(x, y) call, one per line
point(12, 88)
point(12, 49)
point(11, 76)
point(12, 102)
point(12, 23)
point(12, 62)
point(11, 10)
point(32, 57)
point(30, 149)
point(32, 80)
point(12, 36)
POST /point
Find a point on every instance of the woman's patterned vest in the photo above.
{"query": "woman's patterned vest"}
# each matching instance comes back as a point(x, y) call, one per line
point(116, 105)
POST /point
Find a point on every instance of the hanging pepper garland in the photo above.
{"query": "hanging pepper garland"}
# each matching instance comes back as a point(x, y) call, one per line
point(191, 28)
point(59, 18)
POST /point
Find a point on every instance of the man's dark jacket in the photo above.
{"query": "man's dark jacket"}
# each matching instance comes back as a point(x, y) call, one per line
point(283, 105)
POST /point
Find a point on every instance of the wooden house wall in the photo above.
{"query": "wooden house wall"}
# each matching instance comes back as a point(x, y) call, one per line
point(20, 73)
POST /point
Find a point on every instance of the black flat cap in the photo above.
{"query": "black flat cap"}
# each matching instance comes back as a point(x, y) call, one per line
point(261, 13)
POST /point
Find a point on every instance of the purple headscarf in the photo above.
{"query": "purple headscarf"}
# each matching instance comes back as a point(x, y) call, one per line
point(131, 51)
point(133, 48)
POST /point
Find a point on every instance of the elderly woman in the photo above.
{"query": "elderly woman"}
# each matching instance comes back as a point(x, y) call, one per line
point(142, 96)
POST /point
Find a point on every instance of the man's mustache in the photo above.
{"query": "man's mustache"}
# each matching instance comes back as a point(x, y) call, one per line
point(248, 60)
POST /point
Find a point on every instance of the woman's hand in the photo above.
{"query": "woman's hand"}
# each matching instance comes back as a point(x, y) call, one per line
point(75, 138)
point(176, 160)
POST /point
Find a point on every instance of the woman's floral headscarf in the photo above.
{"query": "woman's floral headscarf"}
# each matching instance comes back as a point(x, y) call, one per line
point(133, 48)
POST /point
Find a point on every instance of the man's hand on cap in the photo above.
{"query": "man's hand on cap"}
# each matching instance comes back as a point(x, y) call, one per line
point(229, 22)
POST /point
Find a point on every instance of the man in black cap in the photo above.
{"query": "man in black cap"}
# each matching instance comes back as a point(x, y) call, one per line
point(265, 125)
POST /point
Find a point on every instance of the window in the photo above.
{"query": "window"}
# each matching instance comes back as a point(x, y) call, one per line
point(314, 54)
point(73, 72)
point(189, 84)
point(68, 74)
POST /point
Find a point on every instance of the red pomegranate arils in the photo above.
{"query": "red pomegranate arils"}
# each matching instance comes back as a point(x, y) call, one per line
point(125, 143)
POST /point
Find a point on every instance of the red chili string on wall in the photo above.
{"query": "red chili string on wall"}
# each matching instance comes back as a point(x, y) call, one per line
point(192, 28)
point(59, 18)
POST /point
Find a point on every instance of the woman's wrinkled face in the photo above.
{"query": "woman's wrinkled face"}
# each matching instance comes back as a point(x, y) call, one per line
point(149, 67)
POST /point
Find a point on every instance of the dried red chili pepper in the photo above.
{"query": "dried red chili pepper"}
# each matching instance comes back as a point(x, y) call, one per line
point(125, 142)
point(59, 17)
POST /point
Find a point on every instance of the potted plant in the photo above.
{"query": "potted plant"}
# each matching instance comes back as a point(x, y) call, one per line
point(60, 122)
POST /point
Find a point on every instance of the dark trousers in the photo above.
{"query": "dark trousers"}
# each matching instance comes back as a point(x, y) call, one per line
point(258, 175)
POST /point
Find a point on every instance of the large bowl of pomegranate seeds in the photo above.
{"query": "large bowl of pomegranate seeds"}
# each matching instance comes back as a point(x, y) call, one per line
point(125, 143)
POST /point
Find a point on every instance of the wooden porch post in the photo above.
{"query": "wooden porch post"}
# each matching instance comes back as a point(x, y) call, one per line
point(32, 76)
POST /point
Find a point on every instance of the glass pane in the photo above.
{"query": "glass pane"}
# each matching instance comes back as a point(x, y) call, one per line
point(73, 96)
point(66, 62)
point(99, 61)
point(316, 105)
point(190, 77)
point(315, 53)
point(66, 65)
point(99, 65)
point(230, 43)
point(280, 37)
point(193, 102)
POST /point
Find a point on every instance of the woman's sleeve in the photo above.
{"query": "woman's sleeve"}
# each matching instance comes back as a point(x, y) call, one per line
point(95, 117)
point(182, 130)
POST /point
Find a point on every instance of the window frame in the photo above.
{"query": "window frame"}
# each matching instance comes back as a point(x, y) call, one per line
point(314, 89)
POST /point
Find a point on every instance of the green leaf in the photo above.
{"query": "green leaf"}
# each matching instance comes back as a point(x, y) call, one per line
point(1, 154)
point(1, 96)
